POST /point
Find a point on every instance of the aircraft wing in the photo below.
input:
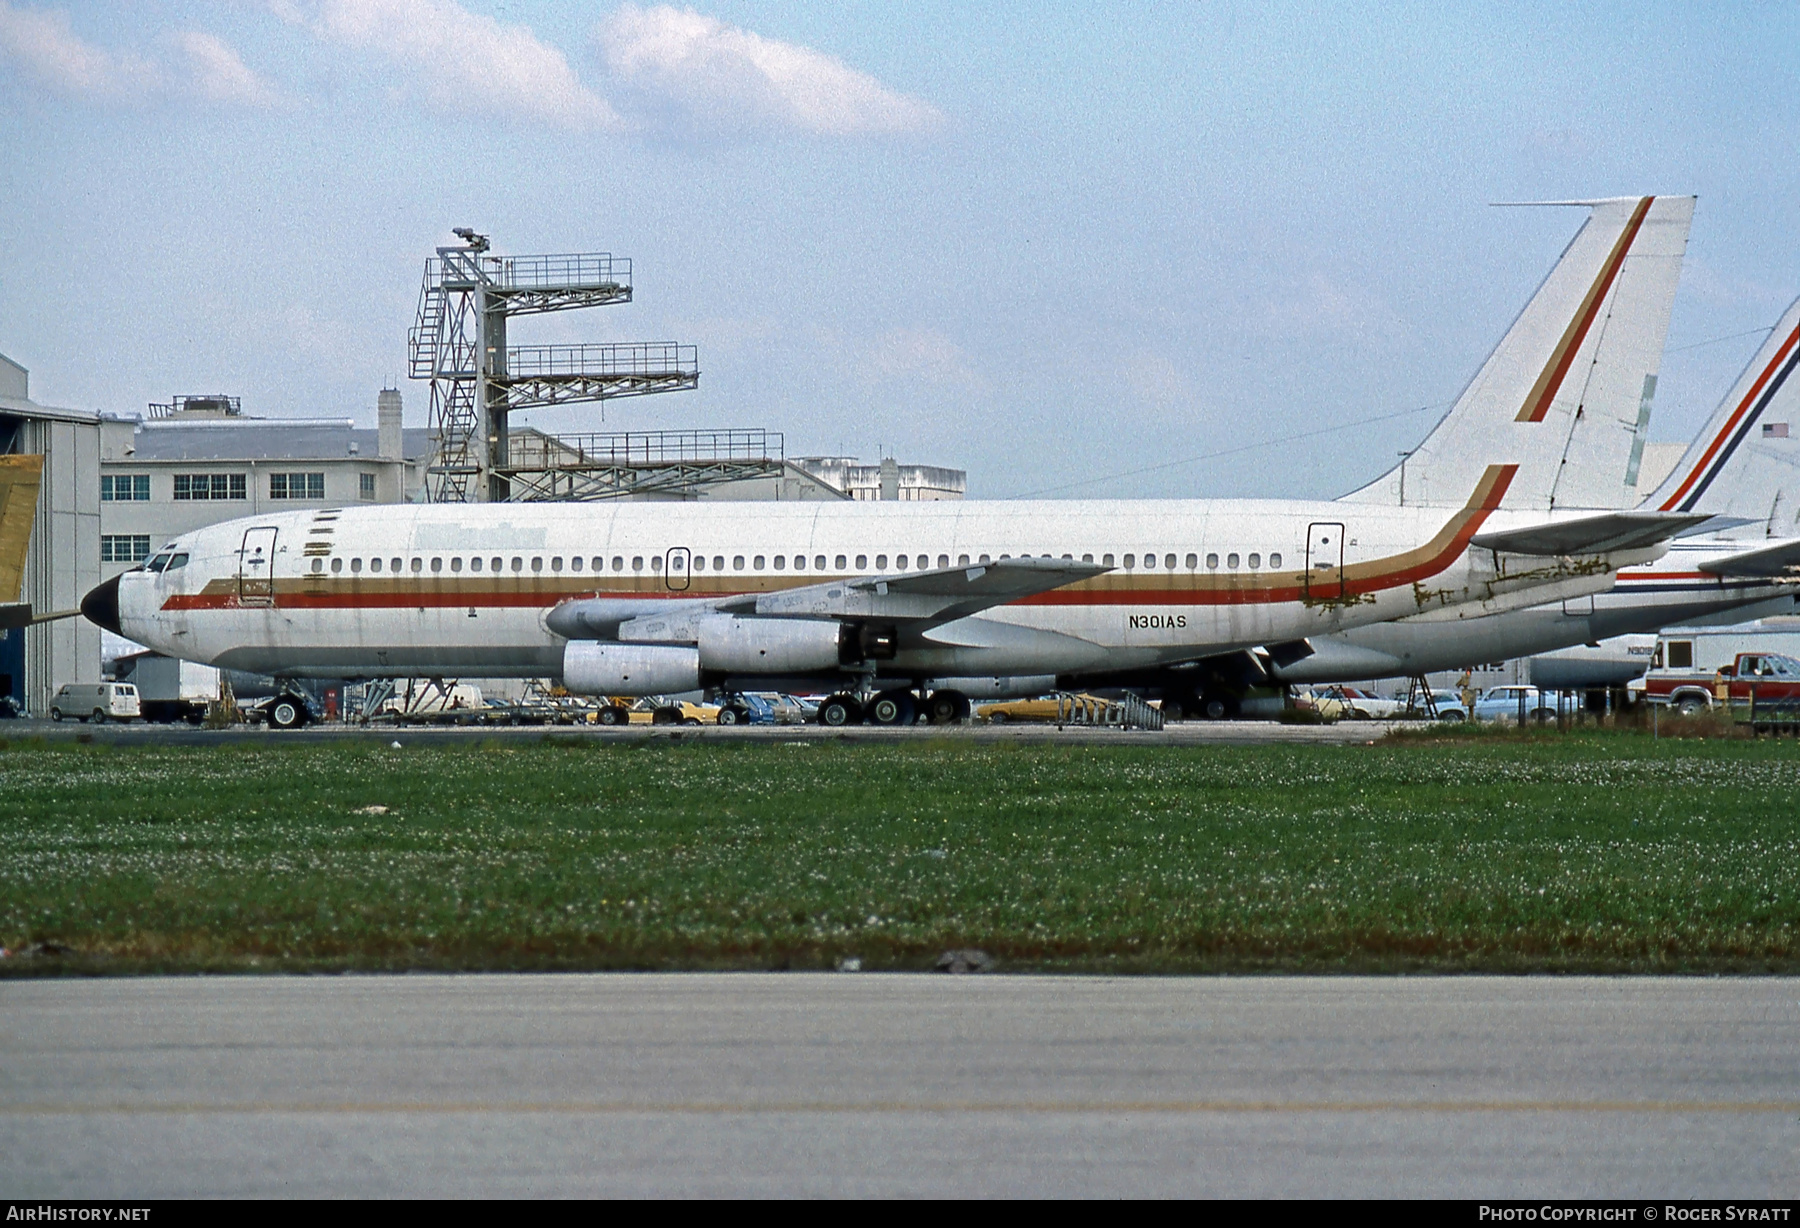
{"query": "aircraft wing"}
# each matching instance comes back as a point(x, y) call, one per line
point(1590, 534)
point(929, 597)
point(918, 598)
point(1781, 560)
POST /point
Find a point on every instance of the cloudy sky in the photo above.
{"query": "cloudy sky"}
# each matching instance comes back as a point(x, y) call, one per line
point(1162, 248)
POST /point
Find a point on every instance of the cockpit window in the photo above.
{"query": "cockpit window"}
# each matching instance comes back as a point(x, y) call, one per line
point(179, 560)
point(158, 563)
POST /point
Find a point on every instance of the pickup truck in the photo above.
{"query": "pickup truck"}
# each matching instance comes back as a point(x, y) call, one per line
point(1760, 687)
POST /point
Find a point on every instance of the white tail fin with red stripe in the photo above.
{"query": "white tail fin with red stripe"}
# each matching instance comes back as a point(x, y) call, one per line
point(1746, 461)
point(1566, 393)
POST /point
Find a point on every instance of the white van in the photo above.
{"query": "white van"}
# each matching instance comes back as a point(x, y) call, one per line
point(96, 701)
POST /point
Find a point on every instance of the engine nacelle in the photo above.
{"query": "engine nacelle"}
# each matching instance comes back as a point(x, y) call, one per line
point(728, 644)
point(594, 668)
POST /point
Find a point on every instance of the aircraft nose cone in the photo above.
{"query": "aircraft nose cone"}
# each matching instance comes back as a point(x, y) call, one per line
point(101, 607)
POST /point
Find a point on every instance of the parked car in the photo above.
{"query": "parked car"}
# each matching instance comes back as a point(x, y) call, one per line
point(749, 709)
point(1504, 703)
point(1450, 705)
point(1364, 705)
point(1043, 710)
point(95, 701)
point(653, 710)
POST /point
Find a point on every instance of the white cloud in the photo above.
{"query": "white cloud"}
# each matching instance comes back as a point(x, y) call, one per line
point(43, 41)
point(464, 61)
point(216, 71)
point(696, 71)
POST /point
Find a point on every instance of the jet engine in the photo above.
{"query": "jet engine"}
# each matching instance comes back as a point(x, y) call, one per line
point(728, 644)
point(594, 668)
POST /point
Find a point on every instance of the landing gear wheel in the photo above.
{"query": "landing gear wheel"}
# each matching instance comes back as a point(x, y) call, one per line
point(287, 713)
point(613, 714)
point(1218, 707)
point(893, 708)
point(947, 708)
point(840, 710)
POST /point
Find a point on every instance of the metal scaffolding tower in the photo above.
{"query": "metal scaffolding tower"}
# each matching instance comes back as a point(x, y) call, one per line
point(459, 343)
point(639, 464)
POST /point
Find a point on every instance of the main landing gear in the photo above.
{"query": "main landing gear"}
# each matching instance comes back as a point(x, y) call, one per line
point(896, 706)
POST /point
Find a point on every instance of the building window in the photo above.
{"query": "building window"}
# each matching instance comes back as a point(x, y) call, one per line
point(365, 486)
point(124, 548)
point(200, 486)
point(125, 488)
point(295, 486)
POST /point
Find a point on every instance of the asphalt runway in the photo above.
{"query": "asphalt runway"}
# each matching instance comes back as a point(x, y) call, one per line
point(1186, 733)
point(854, 1084)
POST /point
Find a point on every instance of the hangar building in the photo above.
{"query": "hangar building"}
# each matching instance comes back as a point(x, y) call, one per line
point(62, 561)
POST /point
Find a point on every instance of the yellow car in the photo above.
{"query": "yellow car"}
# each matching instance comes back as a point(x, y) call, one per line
point(654, 710)
point(1043, 711)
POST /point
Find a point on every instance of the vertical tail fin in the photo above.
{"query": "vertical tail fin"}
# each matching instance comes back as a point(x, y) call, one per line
point(20, 477)
point(1746, 460)
point(1566, 393)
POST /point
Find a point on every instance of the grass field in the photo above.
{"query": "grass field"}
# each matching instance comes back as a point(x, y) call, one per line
point(1590, 851)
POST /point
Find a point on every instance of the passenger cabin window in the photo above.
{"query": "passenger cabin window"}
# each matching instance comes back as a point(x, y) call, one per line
point(494, 564)
point(1169, 562)
point(1131, 560)
point(618, 562)
point(1274, 560)
point(337, 565)
point(1193, 561)
point(394, 565)
point(356, 565)
point(437, 564)
point(718, 562)
point(418, 565)
point(899, 562)
point(780, 562)
point(1255, 561)
point(962, 560)
point(737, 562)
point(881, 562)
point(655, 562)
point(518, 564)
point(374, 564)
point(475, 563)
point(819, 563)
point(699, 562)
point(556, 563)
point(1106, 560)
point(759, 562)
point(943, 560)
point(1231, 560)
point(456, 563)
point(842, 562)
point(799, 562)
point(537, 564)
point(319, 565)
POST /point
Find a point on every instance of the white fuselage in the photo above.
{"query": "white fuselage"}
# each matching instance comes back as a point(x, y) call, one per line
point(463, 590)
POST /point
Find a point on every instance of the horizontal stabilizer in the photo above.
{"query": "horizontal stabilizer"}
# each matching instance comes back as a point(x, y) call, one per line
point(20, 614)
point(1780, 559)
point(1590, 534)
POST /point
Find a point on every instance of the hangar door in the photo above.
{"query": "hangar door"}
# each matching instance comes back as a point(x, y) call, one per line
point(1324, 561)
point(256, 568)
